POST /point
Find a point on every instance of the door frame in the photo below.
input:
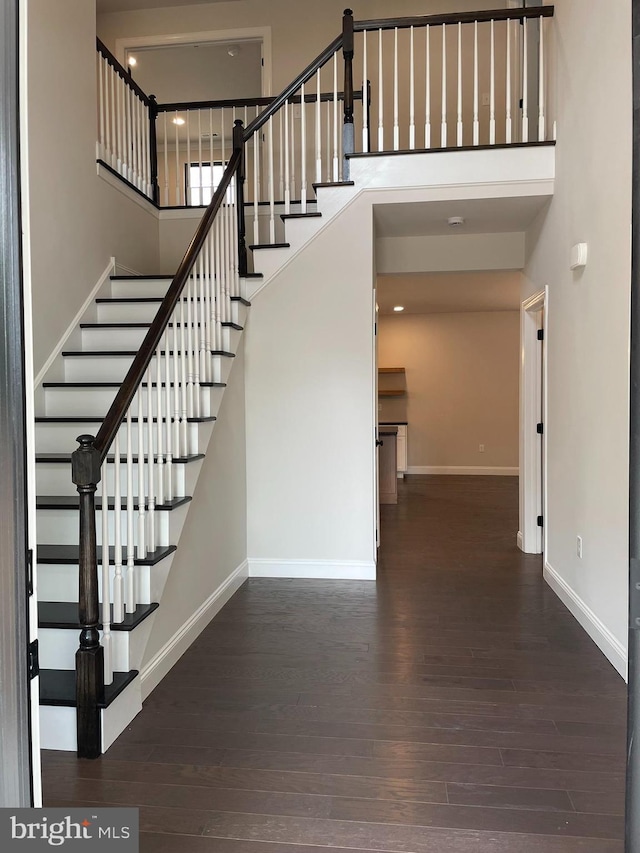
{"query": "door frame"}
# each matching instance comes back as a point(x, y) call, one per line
point(533, 446)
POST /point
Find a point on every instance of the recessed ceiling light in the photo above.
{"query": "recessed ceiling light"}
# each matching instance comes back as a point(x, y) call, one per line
point(398, 308)
point(178, 120)
point(455, 221)
point(132, 61)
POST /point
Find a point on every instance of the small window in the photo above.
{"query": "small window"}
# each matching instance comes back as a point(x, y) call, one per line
point(202, 181)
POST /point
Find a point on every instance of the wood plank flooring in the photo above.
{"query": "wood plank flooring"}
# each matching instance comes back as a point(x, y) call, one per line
point(453, 706)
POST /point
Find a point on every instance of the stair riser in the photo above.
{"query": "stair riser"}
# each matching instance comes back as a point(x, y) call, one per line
point(59, 647)
point(134, 312)
point(55, 478)
point(60, 526)
point(58, 725)
point(112, 338)
point(140, 288)
point(60, 582)
point(90, 402)
point(268, 261)
point(61, 437)
point(89, 368)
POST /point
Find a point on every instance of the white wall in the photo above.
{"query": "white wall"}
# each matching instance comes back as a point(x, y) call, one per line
point(588, 317)
point(77, 221)
point(461, 375)
point(459, 253)
point(310, 408)
point(213, 544)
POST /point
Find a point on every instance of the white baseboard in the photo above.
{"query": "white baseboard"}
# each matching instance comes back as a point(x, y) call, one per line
point(75, 322)
point(456, 470)
point(153, 673)
point(519, 539)
point(360, 570)
point(609, 645)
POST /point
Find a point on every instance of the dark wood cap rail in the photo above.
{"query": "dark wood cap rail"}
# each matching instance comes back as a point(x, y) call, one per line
point(122, 71)
point(455, 18)
point(248, 102)
point(125, 395)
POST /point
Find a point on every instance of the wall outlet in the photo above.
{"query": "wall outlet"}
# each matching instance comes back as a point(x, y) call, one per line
point(579, 546)
point(486, 99)
point(379, 407)
point(481, 448)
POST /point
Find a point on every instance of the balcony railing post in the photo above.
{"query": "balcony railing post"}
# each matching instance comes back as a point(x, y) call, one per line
point(153, 149)
point(85, 471)
point(238, 145)
point(348, 136)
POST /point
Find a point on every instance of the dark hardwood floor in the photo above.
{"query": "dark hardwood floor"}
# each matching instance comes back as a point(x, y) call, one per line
point(453, 706)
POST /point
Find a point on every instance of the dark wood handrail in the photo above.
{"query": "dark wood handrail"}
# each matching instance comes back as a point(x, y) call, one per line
point(293, 87)
point(248, 102)
point(134, 376)
point(455, 18)
point(122, 71)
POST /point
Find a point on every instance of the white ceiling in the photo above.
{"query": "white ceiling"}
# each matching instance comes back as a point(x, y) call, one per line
point(482, 216)
point(447, 293)
point(106, 6)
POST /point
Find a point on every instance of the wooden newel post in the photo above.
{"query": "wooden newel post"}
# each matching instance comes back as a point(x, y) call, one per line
point(85, 472)
point(238, 145)
point(153, 149)
point(348, 51)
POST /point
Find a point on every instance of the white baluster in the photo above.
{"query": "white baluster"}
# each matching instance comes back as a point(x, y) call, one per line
point(235, 282)
point(100, 147)
point(218, 285)
point(130, 590)
point(476, 96)
point(151, 468)
point(396, 124)
point(211, 158)
point(106, 583)
point(365, 95)
point(412, 92)
point(459, 126)
point(177, 386)
point(120, 124)
point(192, 347)
point(129, 134)
point(492, 95)
point(336, 134)
point(318, 129)
point(142, 515)
point(146, 147)
point(189, 200)
point(201, 200)
point(328, 166)
point(509, 120)
point(287, 175)
point(118, 580)
point(542, 130)
point(281, 155)
point(166, 161)
point(272, 200)
point(159, 428)
point(525, 82)
point(443, 125)
point(303, 151)
point(202, 328)
point(223, 141)
point(170, 392)
point(183, 358)
point(256, 186)
point(427, 96)
point(114, 118)
point(380, 95)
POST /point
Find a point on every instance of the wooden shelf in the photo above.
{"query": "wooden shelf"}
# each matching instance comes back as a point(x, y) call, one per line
point(391, 370)
point(398, 393)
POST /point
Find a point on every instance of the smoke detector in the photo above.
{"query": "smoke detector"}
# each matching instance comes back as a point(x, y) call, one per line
point(455, 221)
point(233, 50)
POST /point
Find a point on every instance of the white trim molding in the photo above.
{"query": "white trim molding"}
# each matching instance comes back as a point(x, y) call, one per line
point(463, 471)
point(359, 570)
point(610, 646)
point(160, 664)
point(72, 327)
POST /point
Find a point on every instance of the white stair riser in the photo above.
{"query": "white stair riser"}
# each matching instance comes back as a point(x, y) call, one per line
point(140, 288)
point(95, 401)
point(114, 368)
point(60, 437)
point(112, 338)
point(268, 261)
point(59, 646)
point(60, 526)
point(126, 312)
point(58, 724)
point(54, 478)
point(60, 582)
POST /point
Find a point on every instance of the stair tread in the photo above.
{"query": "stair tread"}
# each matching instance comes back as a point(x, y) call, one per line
point(58, 687)
point(110, 353)
point(248, 275)
point(64, 554)
point(311, 215)
point(270, 246)
point(230, 325)
point(72, 502)
point(334, 184)
point(118, 384)
point(129, 299)
point(91, 419)
point(64, 614)
point(115, 325)
point(66, 458)
point(163, 277)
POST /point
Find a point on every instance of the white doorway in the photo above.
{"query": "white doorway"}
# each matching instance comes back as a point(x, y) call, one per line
point(533, 368)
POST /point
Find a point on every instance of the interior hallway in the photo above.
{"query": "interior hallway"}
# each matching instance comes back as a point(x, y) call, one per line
point(443, 709)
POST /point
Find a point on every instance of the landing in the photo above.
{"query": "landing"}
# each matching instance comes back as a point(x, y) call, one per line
point(449, 706)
